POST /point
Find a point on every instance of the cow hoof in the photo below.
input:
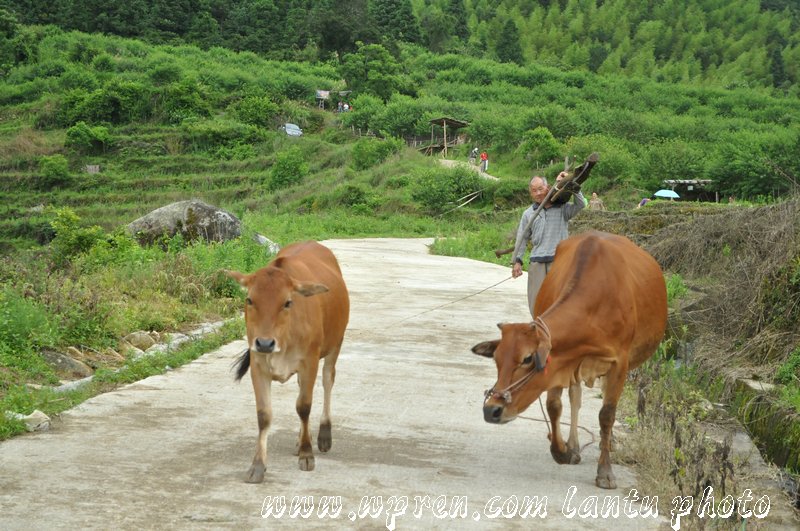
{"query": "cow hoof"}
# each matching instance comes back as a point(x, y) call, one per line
point(306, 463)
point(606, 482)
point(569, 457)
point(324, 439)
point(255, 474)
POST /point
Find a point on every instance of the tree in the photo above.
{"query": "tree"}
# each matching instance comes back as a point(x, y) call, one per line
point(339, 24)
point(539, 146)
point(395, 20)
point(508, 48)
point(458, 11)
point(436, 26)
point(371, 69)
point(8, 30)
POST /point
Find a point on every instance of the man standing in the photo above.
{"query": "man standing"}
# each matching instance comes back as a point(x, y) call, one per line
point(484, 162)
point(546, 231)
point(595, 203)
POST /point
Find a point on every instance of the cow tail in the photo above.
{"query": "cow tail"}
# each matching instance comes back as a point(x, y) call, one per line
point(242, 364)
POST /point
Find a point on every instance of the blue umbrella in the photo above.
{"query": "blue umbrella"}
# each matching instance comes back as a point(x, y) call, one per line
point(666, 193)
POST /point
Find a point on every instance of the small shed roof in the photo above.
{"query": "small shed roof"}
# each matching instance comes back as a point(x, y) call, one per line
point(698, 182)
point(451, 122)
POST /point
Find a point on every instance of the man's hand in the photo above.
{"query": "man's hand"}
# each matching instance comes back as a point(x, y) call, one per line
point(562, 175)
point(516, 271)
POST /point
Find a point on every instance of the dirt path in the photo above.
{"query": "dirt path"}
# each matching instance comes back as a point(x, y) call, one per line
point(171, 451)
point(454, 163)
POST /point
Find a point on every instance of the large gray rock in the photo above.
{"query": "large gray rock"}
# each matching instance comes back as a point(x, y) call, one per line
point(192, 219)
point(63, 364)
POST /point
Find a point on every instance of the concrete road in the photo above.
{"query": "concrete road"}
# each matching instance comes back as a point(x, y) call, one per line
point(171, 451)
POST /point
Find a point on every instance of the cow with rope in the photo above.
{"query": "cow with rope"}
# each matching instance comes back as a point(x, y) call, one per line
point(601, 311)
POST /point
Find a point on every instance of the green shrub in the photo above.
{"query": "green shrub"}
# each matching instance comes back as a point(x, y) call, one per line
point(103, 63)
point(290, 168)
point(539, 146)
point(350, 195)
point(789, 371)
point(675, 287)
point(54, 171)
point(71, 238)
point(369, 152)
point(439, 189)
point(208, 135)
point(236, 152)
point(182, 100)
point(256, 110)
point(24, 325)
point(77, 78)
point(118, 102)
point(367, 108)
point(88, 139)
point(164, 73)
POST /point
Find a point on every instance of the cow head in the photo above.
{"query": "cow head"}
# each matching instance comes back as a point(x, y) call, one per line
point(269, 306)
point(521, 356)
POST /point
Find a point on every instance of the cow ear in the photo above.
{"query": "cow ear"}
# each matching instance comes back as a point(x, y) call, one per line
point(486, 349)
point(241, 278)
point(308, 289)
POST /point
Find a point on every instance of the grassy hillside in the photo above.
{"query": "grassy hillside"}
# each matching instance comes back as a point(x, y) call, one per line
point(166, 123)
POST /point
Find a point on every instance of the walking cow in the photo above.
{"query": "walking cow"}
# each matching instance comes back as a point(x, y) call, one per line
point(296, 312)
point(601, 311)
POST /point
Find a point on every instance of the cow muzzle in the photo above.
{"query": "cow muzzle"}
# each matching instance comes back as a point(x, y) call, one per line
point(264, 345)
point(493, 413)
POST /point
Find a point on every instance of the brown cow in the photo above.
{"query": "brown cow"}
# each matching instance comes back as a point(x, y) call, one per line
point(288, 334)
point(601, 311)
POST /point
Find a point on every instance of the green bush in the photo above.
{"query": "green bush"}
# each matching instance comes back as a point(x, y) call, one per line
point(290, 168)
point(789, 371)
point(182, 100)
point(256, 110)
point(350, 195)
point(118, 102)
point(367, 108)
point(236, 152)
point(165, 72)
point(71, 238)
point(539, 147)
point(88, 139)
point(369, 152)
point(78, 78)
point(439, 189)
point(54, 171)
point(24, 325)
point(208, 135)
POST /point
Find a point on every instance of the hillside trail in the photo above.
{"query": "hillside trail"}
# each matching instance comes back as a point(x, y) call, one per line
point(460, 164)
point(171, 451)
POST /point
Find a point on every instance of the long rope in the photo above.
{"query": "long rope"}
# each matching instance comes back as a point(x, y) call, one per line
point(435, 308)
point(452, 302)
point(591, 434)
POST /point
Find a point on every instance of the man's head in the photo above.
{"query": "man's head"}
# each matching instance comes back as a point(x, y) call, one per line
point(594, 195)
point(538, 189)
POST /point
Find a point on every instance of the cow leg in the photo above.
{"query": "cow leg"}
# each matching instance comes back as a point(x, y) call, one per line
point(324, 438)
point(558, 449)
point(262, 390)
point(615, 380)
point(306, 380)
point(574, 408)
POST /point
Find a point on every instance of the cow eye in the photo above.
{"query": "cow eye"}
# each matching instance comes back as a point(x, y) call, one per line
point(287, 304)
point(249, 301)
point(528, 359)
